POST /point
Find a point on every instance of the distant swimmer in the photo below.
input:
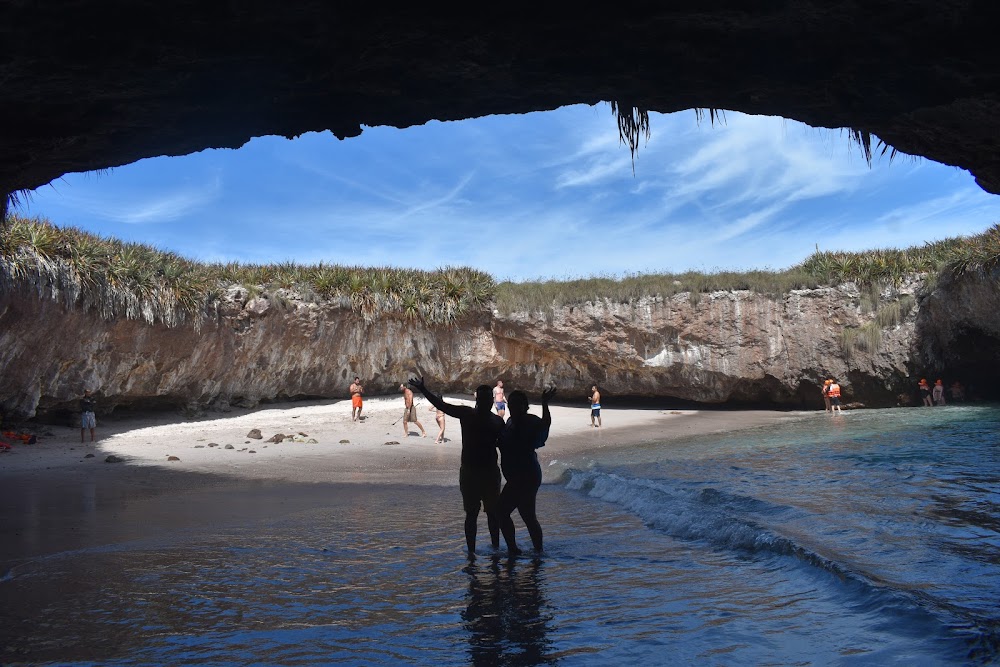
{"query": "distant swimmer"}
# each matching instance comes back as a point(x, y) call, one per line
point(440, 419)
point(826, 393)
point(925, 392)
point(356, 391)
point(833, 391)
point(595, 407)
point(479, 474)
point(938, 393)
point(523, 434)
point(410, 413)
point(499, 400)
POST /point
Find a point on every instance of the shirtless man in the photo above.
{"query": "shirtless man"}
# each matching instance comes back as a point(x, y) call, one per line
point(479, 475)
point(499, 400)
point(595, 407)
point(356, 391)
point(410, 413)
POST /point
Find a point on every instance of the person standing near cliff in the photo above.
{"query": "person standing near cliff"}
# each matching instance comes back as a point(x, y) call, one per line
point(410, 413)
point(826, 394)
point(938, 393)
point(479, 474)
point(88, 420)
point(356, 390)
point(595, 407)
point(499, 400)
point(925, 392)
point(833, 391)
point(440, 419)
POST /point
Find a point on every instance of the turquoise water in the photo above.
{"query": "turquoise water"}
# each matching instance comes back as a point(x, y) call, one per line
point(867, 538)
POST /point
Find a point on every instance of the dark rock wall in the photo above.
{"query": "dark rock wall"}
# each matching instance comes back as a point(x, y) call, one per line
point(95, 84)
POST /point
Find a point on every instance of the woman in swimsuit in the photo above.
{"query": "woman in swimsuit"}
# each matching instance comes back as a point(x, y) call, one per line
point(439, 418)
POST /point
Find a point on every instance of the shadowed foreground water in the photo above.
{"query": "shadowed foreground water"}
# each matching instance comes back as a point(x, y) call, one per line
point(817, 542)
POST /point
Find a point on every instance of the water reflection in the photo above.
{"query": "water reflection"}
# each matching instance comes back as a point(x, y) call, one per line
point(506, 615)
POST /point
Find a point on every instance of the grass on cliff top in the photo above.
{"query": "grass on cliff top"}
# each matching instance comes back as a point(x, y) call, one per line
point(137, 281)
point(955, 256)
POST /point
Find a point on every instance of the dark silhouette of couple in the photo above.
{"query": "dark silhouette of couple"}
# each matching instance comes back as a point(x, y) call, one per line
point(479, 476)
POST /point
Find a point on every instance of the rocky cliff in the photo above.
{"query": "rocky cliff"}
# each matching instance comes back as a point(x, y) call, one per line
point(735, 347)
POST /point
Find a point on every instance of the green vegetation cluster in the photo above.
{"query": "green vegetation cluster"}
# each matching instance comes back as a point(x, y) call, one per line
point(136, 281)
point(139, 282)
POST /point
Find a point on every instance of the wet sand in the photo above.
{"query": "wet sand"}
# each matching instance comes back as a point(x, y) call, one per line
point(56, 498)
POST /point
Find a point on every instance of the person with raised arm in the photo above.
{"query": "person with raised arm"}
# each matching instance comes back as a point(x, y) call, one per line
point(523, 434)
point(479, 474)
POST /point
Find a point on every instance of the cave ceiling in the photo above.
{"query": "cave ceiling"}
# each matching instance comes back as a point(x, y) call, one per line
point(89, 85)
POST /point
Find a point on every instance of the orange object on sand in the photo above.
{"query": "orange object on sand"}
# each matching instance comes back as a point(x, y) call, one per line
point(26, 438)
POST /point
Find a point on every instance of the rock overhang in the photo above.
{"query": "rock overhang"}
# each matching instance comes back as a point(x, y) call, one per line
point(93, 84)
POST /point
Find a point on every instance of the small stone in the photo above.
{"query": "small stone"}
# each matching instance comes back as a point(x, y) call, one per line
point(255, 434)
point(304, 435)
point(244, 449)
point(276, 438)
point(252, 451)
point(173, 458)
point(347, 442)
point(392, 442)
point(312, 441)
point(213, 444)
point(113, 459)
point(89, 456)
point(229, 447)
point(199, 446)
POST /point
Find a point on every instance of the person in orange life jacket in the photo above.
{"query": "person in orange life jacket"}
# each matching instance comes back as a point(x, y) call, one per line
point(826, 396)
point(833, 391)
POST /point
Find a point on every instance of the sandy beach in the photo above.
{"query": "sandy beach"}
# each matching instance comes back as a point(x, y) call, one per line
point(327, 446)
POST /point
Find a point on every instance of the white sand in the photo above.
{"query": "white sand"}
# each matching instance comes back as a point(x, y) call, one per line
point(366, 456)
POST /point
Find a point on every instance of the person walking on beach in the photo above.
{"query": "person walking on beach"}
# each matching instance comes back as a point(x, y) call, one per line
point(410, 413)
point(88, 420)
point(523, 434)
point(826, 394)
point(479, 474)
point(356, 403)
point(833, 391)
point(925, 392)
point(440, 419)
point(595, 407)
point(499, 400)
point(938, 393)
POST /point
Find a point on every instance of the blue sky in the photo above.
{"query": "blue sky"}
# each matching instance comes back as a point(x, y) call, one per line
point(549, 194)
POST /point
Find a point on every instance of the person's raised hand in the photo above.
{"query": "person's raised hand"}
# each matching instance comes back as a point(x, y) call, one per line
point(548, 394)
point(418, 383)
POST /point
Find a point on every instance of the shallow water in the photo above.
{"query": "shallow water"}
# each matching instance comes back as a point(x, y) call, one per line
point(867, 538)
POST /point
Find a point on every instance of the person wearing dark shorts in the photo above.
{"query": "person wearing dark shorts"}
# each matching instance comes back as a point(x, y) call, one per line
point(479, 474)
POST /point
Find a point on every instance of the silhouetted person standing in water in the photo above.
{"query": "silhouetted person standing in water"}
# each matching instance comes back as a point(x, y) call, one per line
point(523, 434)
point(479, 476)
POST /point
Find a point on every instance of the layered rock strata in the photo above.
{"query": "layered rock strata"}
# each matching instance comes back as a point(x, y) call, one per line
point(734, 347)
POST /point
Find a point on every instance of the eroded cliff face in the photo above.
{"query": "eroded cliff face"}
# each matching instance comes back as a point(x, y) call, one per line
point(724, 347)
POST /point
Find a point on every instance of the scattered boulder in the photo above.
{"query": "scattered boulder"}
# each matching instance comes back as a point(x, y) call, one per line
point(89, 456)
point(276, 438)
point(255, 434)
point(304, 435)
point(173, 458)
point(252, 451)
point(229, 447)
point(213, 444)
point(199, 446)
point(312, 441)
point(346, 441)
point(113, 459)
point(392, 442)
